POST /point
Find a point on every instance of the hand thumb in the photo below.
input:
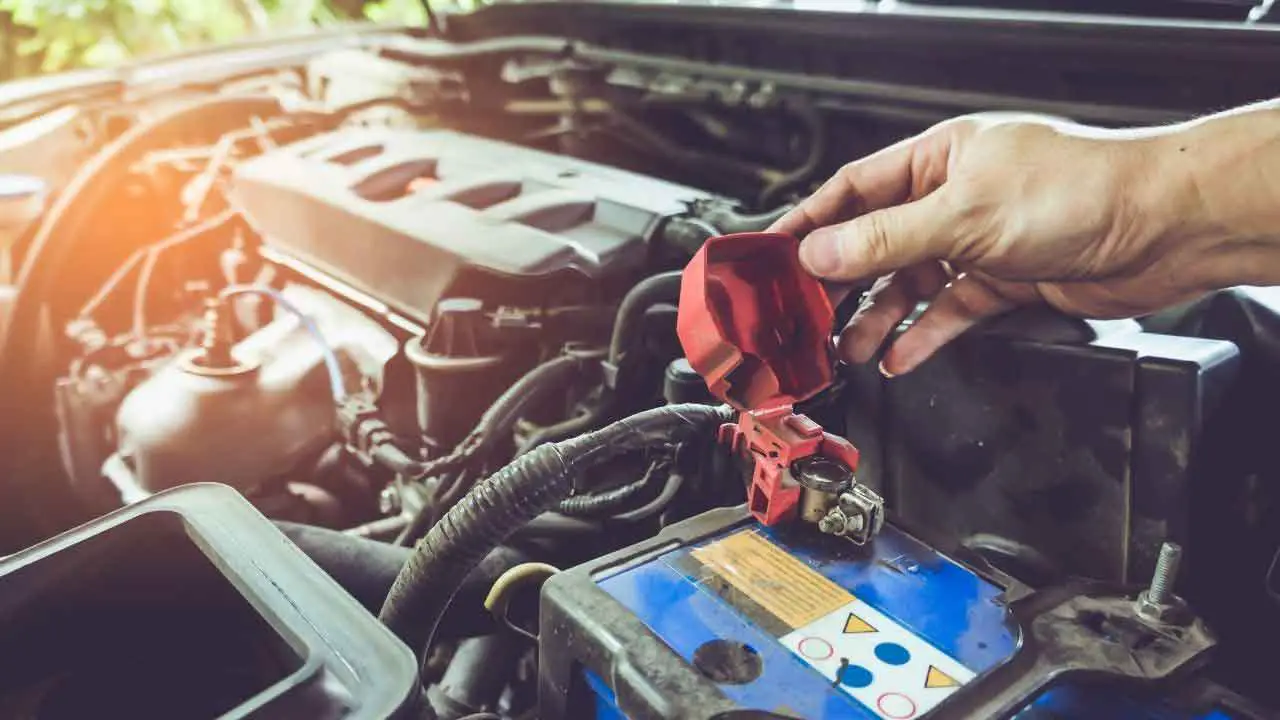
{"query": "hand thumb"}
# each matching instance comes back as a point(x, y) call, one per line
point(880, 242)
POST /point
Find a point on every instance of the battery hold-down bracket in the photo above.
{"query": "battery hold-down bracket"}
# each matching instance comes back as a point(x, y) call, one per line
point(757, 327)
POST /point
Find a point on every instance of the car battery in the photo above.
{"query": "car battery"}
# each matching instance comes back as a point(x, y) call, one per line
point(722, 617)
point(805, 603)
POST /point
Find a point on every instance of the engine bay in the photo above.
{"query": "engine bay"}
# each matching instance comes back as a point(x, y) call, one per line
point(493, 334)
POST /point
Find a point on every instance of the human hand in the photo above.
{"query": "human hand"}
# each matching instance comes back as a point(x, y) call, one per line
point(983, 213)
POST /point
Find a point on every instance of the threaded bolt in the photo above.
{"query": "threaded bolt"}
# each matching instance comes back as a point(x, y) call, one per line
point(1166, 573)
point(832, 523)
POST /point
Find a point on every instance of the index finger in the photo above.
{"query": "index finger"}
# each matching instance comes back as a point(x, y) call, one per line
point(874, 182)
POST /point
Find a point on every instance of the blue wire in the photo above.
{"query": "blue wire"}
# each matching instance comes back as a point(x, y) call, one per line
point(330, 357)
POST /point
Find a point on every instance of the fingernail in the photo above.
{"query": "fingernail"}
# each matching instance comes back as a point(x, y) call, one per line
point(885, 371)
point(819, 253)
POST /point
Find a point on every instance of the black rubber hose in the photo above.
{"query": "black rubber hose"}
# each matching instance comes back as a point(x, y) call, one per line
point(530, 389)
point(561, 430)
point(477, 674)
point(530, 485)
point(660, 288)
point(364, 568)
point(367, 569)
point(687, 233)
point(638, 133)
point(816, 128)
point(496, 422)
point(729, 221)
point(558, 525)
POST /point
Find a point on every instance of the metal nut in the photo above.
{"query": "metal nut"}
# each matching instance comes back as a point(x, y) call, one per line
point(867, 507)
point(854, 525)
point(1170, 612)
point(833, 523)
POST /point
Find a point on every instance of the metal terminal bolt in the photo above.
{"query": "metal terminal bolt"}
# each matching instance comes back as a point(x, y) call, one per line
point(1158, 604)
point(858, 515)
point(1166, 572)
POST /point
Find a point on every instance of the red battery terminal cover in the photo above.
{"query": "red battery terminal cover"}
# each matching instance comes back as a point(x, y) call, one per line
point(757, 327)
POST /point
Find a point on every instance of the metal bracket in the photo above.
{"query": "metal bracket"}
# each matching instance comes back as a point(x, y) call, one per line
point(1078, 629)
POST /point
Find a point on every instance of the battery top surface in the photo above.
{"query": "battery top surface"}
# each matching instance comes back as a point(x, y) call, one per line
point(813, 626)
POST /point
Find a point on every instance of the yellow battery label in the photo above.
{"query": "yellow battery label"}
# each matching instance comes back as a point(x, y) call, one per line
point(776, 581)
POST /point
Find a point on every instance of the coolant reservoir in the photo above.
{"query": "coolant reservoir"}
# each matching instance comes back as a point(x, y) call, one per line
point(246, 425)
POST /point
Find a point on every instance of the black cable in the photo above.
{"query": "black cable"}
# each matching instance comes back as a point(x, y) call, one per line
point(606, 501)
point(817, 131)
point(559, 524)
point(531, 389)
point(663, 287)
point(497, 422)
point(603, 502)
point(530, 485)
point(675, 481)
point(391, 457)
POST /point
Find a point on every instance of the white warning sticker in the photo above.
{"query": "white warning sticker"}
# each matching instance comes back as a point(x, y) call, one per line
point(895, 673)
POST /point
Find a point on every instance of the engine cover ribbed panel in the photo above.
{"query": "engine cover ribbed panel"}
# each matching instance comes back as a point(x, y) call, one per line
point(397, 214)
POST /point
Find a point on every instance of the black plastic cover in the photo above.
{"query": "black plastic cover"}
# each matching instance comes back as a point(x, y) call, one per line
point(189, 604)
point(398, 214)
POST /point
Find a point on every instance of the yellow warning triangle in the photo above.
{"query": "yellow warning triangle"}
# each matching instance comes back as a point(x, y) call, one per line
point(938, 679)
point(855, 625)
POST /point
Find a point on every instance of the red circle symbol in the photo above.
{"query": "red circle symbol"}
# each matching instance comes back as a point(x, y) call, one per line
point(815, 648)
point(896, 706)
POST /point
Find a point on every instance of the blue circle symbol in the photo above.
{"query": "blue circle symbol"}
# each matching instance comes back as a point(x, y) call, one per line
point(855, 676)
point(892, 653)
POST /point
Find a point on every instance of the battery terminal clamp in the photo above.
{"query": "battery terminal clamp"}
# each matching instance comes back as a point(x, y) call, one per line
point(757, 327)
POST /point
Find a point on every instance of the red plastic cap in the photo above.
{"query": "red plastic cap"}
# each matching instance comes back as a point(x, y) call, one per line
point(753, 323)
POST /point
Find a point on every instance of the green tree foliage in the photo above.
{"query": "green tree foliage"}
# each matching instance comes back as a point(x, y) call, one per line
point(52, 35)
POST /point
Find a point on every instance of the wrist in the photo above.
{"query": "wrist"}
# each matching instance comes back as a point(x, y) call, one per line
point(1214, 185)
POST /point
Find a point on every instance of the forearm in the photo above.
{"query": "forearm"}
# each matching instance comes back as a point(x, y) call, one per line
point(1218, 178)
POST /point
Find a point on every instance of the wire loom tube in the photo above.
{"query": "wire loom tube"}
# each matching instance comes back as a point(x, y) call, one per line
point(530, 485)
